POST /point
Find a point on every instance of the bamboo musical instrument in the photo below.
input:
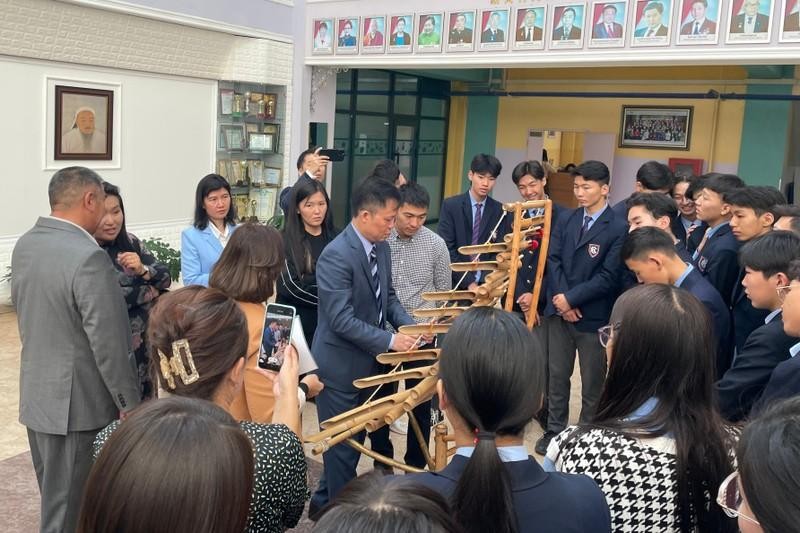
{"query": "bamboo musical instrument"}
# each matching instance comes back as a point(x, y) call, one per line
point(473, 266)
point(424, 329)
point(474, 249)
point(412, 373)
point(392, 358)
point(446, 296)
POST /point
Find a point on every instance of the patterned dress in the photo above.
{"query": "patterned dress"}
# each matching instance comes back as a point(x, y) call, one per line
point(140, 295)
point(280, 479)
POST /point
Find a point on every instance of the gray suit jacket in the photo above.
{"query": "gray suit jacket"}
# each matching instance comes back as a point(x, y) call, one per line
point(77, 368)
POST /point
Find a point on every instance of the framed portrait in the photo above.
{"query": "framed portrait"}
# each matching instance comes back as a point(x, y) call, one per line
point(529, 28)
point(750, 21)
point(84, 123)
point(401, 28)
point(651, 20)
point(347, 35)
point(231, 137)
point(373, 31)
point(655, 127)
point(685, 167)
point(698, 22)
point(790, 21)
point(429, 33)
point(608, 24)
point(567, 26)
point(494, 30)
point(321, 36)
point(460, 31)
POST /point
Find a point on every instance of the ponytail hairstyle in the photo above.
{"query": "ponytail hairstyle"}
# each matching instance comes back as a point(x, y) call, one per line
point(492, 369)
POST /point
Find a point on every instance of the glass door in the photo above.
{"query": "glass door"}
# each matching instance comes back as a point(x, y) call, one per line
point(404, 148)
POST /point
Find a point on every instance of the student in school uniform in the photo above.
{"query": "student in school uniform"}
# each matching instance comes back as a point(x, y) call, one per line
point(686, 222)
point(766, 262)
point(653, 209)
point(583, 277)
point(651, 255)
point(651, 177)
point(716, 253)
point(469, 218)
point(751, 216)
point(697, 229)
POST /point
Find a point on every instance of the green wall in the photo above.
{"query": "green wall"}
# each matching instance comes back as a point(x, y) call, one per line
point(481, 132)
point(765, 135)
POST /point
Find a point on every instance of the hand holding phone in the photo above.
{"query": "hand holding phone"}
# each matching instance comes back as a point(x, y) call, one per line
point(276, 335)
point(332, 154)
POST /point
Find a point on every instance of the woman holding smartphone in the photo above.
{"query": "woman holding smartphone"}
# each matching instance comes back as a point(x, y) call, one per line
point(246, 271)
point(309, 228)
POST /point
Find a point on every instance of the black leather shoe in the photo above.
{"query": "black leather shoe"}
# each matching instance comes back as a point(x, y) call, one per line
point(544, 442)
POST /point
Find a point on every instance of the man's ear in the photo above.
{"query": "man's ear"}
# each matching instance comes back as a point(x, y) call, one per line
point(726, 209)
point(444, 404)
point(638, 187)
point(768, 219)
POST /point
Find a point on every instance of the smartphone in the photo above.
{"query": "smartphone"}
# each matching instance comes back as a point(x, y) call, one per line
point(332, 154)
point(276, 335)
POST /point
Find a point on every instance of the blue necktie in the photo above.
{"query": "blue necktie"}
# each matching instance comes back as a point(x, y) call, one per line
point(376, 282)
point(585, 227)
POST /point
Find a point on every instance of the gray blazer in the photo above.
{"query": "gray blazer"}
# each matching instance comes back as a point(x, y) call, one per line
point(77, 368)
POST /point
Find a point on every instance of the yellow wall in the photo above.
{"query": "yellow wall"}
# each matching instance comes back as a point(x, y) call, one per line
point(455, 145)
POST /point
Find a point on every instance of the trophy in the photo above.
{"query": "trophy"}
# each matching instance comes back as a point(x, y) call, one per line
point(237, 104)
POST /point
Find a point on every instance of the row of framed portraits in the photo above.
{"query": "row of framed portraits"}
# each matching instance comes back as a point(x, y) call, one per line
point(568, 25)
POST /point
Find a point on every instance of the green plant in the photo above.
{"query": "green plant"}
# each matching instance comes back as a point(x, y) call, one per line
point(165, 254)
point(276, 222)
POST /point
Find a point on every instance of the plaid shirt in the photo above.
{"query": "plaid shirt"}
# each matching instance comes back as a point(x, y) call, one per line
point(419, 264)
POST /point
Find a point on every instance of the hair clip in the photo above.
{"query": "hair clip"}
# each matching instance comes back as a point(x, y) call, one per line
point(483, 435)
point(173, 366)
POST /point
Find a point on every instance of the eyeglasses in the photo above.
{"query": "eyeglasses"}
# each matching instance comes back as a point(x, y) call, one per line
point(730, 498)
point(784, 291)
point(606, 332)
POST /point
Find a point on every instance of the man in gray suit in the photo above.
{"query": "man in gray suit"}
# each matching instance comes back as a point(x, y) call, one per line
point(77, 370)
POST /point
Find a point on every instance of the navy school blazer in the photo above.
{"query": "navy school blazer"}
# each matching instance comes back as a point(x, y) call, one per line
point(455, 227)
point(719, 261)
point(587, 271)
point(746, 318)
point(784, 382)
point(543, 501)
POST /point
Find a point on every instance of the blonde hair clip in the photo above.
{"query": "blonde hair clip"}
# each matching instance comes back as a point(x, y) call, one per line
point(173, 366)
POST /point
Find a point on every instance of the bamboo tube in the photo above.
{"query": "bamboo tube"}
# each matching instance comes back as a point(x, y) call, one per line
point(394, 398)
point(487, 290)
point(424, 329)
point(448, 295)
point(474, 249)
point(497, 274)
point(392, 358)
point(333, 441)
point(524, 206)
point(503, 257)
point(523, 234)
point(393, 414)
point(372, 381)
point(543, 247)
point(424, 445)
point(439, 446)
point(438, 312)
point(531, 221)
point(350, 423)
point(473, 266)
point(381, 458)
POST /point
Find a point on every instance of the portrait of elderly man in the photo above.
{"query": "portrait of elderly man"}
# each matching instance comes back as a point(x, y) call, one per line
point(83, 136)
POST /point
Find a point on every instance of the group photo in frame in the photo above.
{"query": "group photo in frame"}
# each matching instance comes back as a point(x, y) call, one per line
point(494, 30)
point(567, 26)
point(608, 24)
point(322, 37)
point(651, 23)
point(655, 127)
point(529, 28)
point(429, 33)
point(83, 123)
point(347, 35)
point(790, 22)
point(401, 28)
point(698, 22)
point(750, 21)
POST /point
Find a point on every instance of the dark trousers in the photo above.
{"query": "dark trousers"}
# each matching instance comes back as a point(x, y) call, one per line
point(540, 332)
point(564, 339)
point(62, 464)
point(340, 462)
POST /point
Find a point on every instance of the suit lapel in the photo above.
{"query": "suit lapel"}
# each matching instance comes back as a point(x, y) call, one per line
point(358, 250)
point(466, 208)
point(486, 218)
point(596, 227)
point(208, 235)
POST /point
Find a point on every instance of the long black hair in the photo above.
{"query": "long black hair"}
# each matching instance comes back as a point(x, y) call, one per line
point(209, 183)
point(769, 460)
point(123, 240)
point(298, 249)
point(662, 348)
point(492, 369)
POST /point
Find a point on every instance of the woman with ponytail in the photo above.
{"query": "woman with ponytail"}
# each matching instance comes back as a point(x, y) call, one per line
point(491, 384)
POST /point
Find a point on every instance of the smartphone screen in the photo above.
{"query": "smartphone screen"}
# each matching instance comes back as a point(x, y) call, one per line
point(276, 335)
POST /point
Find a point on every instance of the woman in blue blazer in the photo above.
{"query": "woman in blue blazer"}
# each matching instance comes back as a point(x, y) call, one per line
point(491, 384)
point(202, 243)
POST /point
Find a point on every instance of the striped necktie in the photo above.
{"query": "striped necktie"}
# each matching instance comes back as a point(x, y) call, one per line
point(376, 282)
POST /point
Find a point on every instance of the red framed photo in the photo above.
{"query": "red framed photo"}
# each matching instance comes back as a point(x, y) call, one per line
point(683, 167)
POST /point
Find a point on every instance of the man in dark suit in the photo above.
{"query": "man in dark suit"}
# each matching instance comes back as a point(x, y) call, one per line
point(356, 302)
point(650, 253)
point(751, 217)
point(784, 382)
point(310, 166)
point(608, 28)
point(699, 25)
point(716, 253)
point(653, 17)
point(566, 31)
point(654, 209)
point(460, 34)
point(750, 21)
point(529, 31)
point(493, 34)
point(583, 279)
point(651, 177)
point(77, 369)
point(766, 260)
point(685, 225)
point(469, 218)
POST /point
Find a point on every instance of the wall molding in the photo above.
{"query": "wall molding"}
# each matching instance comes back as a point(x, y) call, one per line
point(119, 6)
